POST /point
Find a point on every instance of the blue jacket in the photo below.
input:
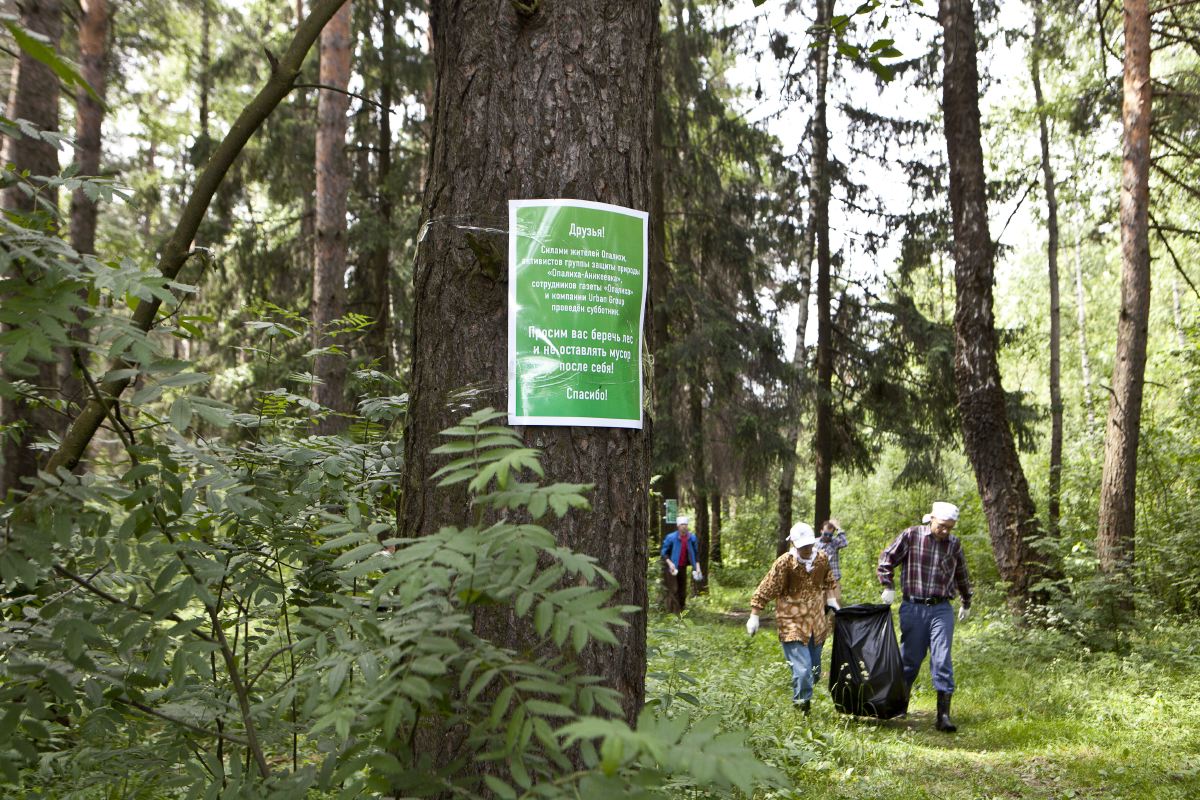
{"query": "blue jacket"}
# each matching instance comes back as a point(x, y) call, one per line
point(671, 548)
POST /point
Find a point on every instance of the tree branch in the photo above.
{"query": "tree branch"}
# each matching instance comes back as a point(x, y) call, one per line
point(175, 251)
point(327, 88)
point(96, 590)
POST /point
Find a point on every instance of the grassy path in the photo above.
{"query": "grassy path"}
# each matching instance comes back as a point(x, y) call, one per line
point(1039, 716)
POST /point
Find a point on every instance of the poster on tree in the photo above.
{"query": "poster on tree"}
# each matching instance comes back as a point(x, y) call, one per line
point(576, 300)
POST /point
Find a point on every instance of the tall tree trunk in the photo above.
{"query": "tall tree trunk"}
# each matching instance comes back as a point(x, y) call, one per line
point(1118, 485)
point(515, 99)
point(1010, 512)
point(1054, 501)
point(35, 94)
point(204, 141)
point(787, 478)
point(333, 184)
point(699, 464)
point(380, 278)
point(823, 436)
point(89, 116)
point(658, 339)
point(1085, 363)
point(714, 553)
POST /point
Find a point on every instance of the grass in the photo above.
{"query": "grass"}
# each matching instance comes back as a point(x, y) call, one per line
point(1039, 715)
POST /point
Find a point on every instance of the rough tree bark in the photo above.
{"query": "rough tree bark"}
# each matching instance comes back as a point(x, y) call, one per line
point(1010, 512)
point(333, 185)
point(823, 435)
point(1118, 485)
point(1054, 501)
point(554, 104)
point(34, 97)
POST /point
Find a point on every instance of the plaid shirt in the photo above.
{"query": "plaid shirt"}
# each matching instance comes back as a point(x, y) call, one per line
point(830, 549)
point(931, 568)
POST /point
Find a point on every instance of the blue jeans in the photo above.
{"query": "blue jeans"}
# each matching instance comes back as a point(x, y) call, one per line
point(805, 660)
point(927, 629)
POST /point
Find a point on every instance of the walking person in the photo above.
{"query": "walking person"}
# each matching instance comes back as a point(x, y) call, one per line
point(801, 584)
point(678, 552)
point(933, 570)
point(832, 540)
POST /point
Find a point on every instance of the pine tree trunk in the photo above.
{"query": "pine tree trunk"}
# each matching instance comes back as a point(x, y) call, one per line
point(787, 478)
point(1054, 501)
point(987, 436)
point(557, 105)
point(89, 115)
point(1085, 364)
point(823, 436)
point(333, 185)
point(380, 277)
point(35, 94)
point(699, 463)
point(1118, 486)
point(658, 339)
point(714, 555)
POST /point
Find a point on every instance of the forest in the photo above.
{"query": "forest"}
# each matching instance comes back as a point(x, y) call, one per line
point(288, 510)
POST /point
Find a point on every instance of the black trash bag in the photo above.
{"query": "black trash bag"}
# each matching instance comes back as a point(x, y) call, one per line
point(866, 677)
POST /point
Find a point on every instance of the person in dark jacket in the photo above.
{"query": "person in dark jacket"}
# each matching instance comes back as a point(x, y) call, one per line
point(679, 553)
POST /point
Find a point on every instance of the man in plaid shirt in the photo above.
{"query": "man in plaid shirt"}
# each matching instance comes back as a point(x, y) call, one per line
point(933, 570)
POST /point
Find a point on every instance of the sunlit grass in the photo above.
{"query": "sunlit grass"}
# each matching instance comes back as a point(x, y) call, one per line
point(1039, 715)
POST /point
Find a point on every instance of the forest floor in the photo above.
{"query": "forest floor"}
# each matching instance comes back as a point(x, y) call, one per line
point(1039, 714)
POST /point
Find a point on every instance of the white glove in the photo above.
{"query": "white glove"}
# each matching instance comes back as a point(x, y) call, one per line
point(671, 567)
point(963, 613)
point(752, 624)
point(888, 596)
point(833, 603)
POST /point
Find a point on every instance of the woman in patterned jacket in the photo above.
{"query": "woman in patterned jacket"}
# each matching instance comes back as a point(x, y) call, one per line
point(801, 584)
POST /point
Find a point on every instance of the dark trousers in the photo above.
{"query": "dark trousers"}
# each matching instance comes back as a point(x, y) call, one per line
point(675, 590)
point(927, 629)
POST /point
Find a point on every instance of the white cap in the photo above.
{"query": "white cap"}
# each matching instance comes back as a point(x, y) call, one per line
point(947, 512)
point(682, 520)
point(801, 535)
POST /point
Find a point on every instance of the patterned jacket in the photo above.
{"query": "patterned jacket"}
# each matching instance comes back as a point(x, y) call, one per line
point(799, 597)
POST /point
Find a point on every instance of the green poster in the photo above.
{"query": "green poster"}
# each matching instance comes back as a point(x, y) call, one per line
point(672, 511)
point(576, 299)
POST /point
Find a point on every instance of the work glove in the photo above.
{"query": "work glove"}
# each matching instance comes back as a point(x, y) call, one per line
point(752, 624)
point(831, 602)
point(697, 574)
point(888, 596)
point(963, 613)
point(671, 567)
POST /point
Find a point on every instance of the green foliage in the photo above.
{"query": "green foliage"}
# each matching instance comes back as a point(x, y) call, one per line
point(1039, 715)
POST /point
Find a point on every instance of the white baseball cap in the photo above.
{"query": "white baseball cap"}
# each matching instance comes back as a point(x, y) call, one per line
point(802, 535)
point(682, 520)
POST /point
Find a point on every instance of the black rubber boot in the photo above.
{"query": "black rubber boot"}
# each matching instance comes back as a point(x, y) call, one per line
point(804, 707)
point(943, 713)
point(908, 687)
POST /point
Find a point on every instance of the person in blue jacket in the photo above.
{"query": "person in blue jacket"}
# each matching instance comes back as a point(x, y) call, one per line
point(679, 552)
